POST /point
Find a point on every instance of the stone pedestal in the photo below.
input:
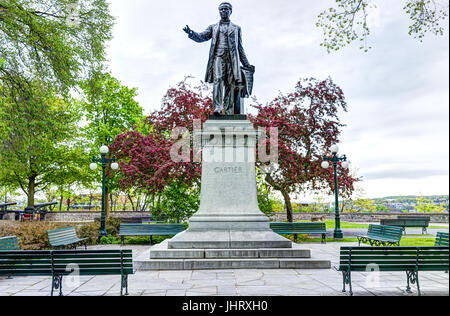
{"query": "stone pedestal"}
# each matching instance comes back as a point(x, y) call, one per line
point(229, 231)
point(229, 216)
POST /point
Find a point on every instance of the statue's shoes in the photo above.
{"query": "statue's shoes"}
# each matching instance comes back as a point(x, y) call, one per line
point(216, 113)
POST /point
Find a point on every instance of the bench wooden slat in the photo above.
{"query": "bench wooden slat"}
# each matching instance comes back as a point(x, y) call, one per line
point(9, 243)
point(405, 259)
point(57, 263)
point(64, 237)
point(157, 229)
point(316, 228)
point(441, 239)
point(379, 234)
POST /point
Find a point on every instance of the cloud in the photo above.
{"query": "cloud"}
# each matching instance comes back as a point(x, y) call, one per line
point(416, 174)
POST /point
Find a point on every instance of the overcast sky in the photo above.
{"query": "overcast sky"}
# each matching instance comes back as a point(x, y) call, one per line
point(397, 134)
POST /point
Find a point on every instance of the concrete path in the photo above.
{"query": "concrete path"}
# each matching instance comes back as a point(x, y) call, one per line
point(289, 282)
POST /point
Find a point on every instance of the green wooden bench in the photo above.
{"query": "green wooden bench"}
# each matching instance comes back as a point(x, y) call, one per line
point(441, 240)
point(9, 243)
point(64, 237)
point(59, 263)
point(379, 235)
point(149, 230)
point(408, 221)
point(387, 259)
point(300, 229)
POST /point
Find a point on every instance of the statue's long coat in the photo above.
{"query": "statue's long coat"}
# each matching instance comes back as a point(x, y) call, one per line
point(234, 43)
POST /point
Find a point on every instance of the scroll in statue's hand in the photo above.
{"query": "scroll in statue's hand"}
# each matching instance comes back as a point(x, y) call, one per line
point(250, 68)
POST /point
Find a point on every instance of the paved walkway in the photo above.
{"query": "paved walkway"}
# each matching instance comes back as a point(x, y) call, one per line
point(291, 282)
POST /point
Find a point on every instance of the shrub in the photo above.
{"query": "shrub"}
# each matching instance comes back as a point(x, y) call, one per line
point(91, 230)
point(31, 235)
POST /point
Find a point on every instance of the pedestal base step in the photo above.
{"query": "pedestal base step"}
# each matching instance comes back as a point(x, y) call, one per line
point(160, 257)
point(228, 253)
point(217, 264)
point(228, 239)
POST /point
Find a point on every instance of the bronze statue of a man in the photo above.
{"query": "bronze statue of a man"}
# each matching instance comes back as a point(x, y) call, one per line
point(231, 81)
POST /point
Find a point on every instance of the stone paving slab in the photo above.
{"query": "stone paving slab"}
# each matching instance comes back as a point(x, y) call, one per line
point(235, 282)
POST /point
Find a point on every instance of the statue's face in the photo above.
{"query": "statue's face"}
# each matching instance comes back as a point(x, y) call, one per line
point(225, 12)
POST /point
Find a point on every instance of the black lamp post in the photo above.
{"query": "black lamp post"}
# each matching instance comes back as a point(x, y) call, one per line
point(325, 164)
point(114, 166)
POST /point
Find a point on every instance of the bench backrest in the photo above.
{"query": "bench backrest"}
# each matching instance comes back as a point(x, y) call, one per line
point(62, 235)
point(394, 259)
point(441, 240)
point(83, 262)
point(426, 218)
point(406, 222)
point(151, 228)
point(136, 220)
point(9, 243)
point(388, 232)
point(307, 227)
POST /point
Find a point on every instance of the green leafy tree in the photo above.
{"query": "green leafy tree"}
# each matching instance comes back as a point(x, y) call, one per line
point(382, 208)
point(178, 201)
point(426, 205)
point(265, 199)
point(7, 192)
point(364, 205)
point(347, 22)
point(110, 109)
point(73, 175)
point(36, 139)
point(58, 41)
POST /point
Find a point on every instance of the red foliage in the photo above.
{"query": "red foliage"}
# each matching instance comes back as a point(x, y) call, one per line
point(145, 159)
point(308, 124)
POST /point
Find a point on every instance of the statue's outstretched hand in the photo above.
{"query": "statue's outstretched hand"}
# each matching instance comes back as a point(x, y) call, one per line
point(187, 30)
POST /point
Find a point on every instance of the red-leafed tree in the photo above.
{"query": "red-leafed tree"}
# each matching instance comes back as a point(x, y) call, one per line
point(144, 154)
point(308, 124)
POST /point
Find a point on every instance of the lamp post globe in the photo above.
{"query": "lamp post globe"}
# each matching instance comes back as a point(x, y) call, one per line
point(325, 165)
point(93, 166)
point(114, 166)
point(334, 149)
point(345, 165)
point(104, 150)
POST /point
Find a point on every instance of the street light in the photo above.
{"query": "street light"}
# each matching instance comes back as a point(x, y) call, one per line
point(93, 166)
point(325, 164)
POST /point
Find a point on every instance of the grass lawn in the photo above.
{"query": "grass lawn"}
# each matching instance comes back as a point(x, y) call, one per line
point(346, 225)
point(330, 225)
point(404, 242)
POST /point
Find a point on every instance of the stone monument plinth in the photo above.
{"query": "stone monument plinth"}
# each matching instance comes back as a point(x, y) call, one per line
point(229, 216)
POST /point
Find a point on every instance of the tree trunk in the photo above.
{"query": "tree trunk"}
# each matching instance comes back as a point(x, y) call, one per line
point(61, 202)
point(131, 201)
point(124, 204)
point(107, 204)
point(31, 191)
point(288, 206)
point(90, 200)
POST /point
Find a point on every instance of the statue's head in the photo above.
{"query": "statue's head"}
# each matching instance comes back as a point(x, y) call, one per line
point(225, 10)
